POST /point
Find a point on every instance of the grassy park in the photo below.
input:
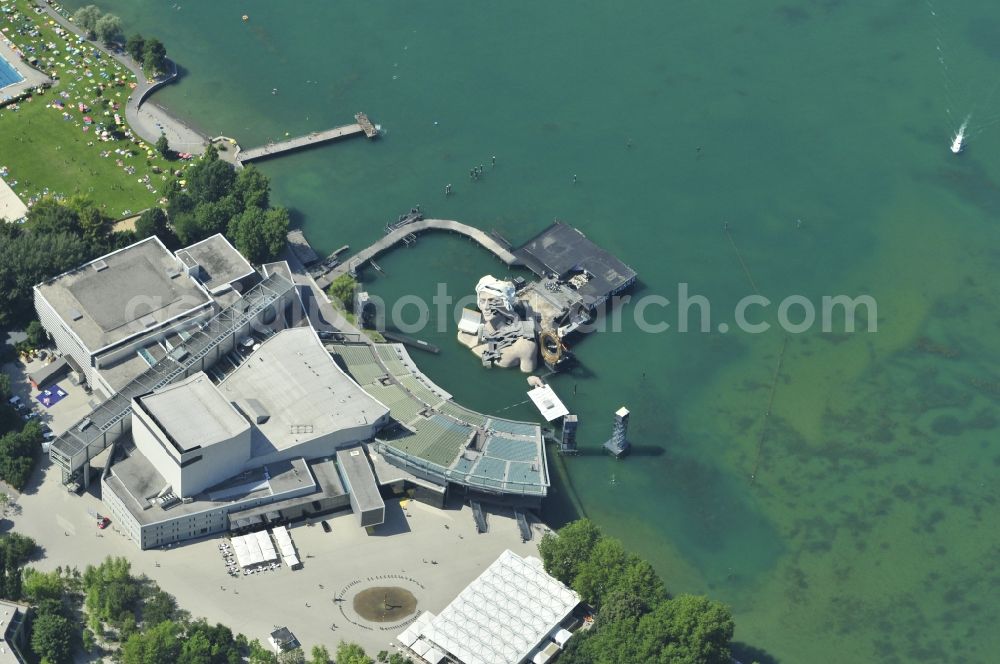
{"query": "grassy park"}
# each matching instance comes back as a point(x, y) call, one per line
point(66, 140)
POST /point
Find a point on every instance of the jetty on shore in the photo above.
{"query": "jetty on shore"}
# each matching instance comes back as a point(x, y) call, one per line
point(362, 125)
point(406, 233)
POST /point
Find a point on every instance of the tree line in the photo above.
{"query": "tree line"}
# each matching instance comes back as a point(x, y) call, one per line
point(636, 620)
point(218, 199)
point(150, 53)
point(97, 25)
point(61, 234)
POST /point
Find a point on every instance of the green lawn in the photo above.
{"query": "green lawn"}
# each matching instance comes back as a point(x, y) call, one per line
point(47, 151)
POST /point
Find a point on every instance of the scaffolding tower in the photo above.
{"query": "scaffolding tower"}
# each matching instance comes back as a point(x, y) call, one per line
point(618, 444)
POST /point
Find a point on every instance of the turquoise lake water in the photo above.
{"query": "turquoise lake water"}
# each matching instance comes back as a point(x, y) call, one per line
point(819, 132)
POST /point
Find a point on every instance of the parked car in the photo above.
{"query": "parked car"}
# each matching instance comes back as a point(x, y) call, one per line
point(326, 526)
point(103, 522)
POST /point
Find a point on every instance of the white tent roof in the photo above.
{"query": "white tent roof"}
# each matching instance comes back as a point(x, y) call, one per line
point(433, 656)
point(547, 403)
point(253, 549)
point(284, 540)
point(266, 546)
point(408, 636)
point(503, 615)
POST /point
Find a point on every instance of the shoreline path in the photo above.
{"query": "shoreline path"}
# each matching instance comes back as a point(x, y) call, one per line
point(147, 120)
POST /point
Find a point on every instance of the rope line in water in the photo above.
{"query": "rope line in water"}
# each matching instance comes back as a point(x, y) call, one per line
point(514, 405)
point(767, 413)
point(777, 370)
point(739, 256)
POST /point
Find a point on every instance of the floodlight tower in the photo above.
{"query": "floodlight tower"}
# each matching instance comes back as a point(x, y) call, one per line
point(567, 445)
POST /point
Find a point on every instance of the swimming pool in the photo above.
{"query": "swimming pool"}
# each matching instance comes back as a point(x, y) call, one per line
point(8, 74)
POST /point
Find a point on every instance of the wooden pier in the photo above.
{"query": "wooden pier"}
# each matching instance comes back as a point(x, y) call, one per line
point(371, 131)
point(362, 126)
point(354, 263)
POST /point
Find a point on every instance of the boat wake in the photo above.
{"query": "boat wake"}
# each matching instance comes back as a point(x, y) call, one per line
point(958, 142)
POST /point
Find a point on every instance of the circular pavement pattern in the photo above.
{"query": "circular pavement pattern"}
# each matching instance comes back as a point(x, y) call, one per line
point(385, 604)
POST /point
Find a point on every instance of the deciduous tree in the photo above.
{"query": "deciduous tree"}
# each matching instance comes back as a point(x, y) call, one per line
point(51, 216)
point(342, 289)
point(153, 222)
point(136, 47)
point(50, 638)
point(38, 586)
point(159, 643)
point(319, 655)
point(563, 553)
point(163, 145)
point(351, 653)
point(86, 18)
point(30, 258)
point(108, 28)
point(154, 55)
point(253, 188)
point(37, 336)
point(259, 235)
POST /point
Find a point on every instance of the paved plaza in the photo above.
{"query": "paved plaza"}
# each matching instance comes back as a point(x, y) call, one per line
point(61, 415)
point(431, 553)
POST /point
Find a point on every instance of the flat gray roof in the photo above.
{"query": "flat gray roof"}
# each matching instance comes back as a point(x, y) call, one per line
point(123, 294)
point(330, 486)
point(561, 249)
point(220, 263)
point(97, 429)
point(279, 267)
point(302, 389)
point(134, 479)
point(121, 372)
point(11, 615)
point(354, 463)
point(193, 413)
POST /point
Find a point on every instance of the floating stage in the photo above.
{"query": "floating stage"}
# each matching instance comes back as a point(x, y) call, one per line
point(564, 254)
point(577, 278)
point(548, 404)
